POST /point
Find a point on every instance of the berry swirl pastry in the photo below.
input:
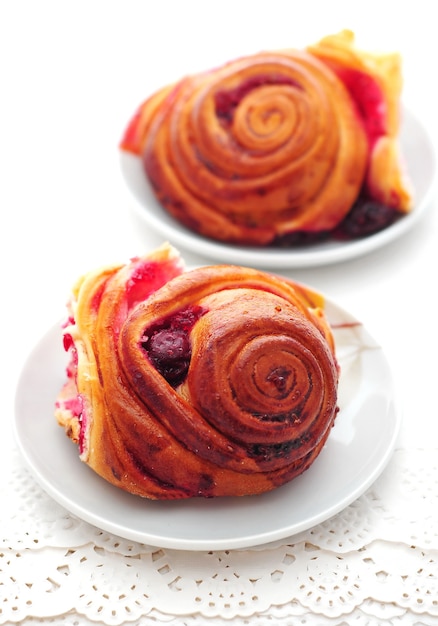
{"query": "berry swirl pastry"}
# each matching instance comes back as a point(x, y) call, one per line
point(216, 381)
point(278, 145)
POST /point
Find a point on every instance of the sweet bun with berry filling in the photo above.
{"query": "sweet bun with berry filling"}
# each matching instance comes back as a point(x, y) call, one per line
point(216, 381)
point(278, 145)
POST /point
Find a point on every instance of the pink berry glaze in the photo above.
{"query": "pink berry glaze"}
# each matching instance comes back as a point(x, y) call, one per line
point(145, 277)
point(76, 406)
point(69, 346)
point(369, 100)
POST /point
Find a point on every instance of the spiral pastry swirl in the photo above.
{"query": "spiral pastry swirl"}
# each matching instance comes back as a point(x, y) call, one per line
point(272, 144)
point(217, 381)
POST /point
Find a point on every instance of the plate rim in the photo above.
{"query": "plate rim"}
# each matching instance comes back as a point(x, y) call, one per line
point(180, 543)
point(305, 257)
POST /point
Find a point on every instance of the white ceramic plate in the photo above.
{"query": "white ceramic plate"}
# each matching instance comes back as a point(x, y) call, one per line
point(420, 162)
point(356, 452)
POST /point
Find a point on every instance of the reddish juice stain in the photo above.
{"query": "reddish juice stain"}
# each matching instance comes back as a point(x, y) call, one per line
point(97, 298)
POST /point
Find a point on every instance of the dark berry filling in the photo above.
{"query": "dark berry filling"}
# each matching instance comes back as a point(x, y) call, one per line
point(169, 351)
point(168, 344)
point(276, 450)
point(366, 217)
point(301, 238)
point(279, 377)
point(226, 101)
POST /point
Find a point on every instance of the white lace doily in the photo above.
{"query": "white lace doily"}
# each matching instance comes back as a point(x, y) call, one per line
point(376, 562)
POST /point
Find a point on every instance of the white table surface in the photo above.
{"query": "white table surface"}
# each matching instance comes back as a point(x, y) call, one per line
point(72, 73)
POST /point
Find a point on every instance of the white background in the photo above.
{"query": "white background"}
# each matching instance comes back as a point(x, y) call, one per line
point(72, 74)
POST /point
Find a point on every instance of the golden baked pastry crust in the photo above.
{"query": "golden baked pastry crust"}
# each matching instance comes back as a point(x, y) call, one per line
point(276, 143)
point(216, 381)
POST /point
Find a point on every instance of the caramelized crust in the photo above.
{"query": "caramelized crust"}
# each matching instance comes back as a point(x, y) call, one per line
point(275, 143)
point(216, 381)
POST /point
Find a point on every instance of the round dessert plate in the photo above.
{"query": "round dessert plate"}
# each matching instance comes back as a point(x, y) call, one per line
point(419, 157)
point(358, 449)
